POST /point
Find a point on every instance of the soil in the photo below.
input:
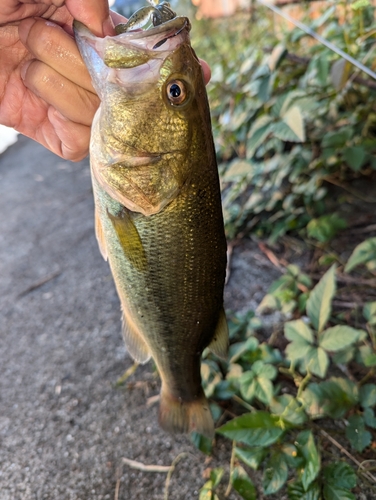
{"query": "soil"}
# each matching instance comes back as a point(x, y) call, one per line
point(65, 425)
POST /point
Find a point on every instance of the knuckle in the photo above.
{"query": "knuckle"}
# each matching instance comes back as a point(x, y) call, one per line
point(43, 39)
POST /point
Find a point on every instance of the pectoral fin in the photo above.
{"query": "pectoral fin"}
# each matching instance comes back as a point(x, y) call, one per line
point(134, 342)
point(219, 344)
point(100, 236)
point(129, 239)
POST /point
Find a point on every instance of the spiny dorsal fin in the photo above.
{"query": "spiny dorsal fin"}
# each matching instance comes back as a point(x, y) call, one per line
point(219, 343)
point(100, 236)
point(134, 342)
point(129, 239)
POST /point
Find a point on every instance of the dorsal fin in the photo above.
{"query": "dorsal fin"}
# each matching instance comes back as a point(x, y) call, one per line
point(219, 343)
point(129, 239)
point(134, 341)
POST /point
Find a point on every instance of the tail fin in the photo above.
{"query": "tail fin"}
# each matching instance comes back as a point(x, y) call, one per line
point(183, 417)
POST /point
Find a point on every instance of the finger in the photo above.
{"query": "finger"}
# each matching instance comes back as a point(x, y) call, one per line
point(49, 43)
point(70, 140)
point(206, 71)
point(94, 15)
point(71, 100)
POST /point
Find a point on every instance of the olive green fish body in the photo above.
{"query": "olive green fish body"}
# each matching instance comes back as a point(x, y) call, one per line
point(158, 212)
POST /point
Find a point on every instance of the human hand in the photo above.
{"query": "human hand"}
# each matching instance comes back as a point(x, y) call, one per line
point(45, 89)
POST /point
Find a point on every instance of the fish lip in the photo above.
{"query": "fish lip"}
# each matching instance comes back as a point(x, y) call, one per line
point(176, 24)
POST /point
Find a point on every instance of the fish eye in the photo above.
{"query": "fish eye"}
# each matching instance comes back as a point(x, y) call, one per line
point(176, 92)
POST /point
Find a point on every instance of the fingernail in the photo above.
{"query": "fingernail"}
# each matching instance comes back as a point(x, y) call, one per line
point(24, 28)
point(24, 69)
point(108, 27)
point(57, 115)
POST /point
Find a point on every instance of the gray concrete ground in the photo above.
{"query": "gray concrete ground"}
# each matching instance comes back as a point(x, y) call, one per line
point(64, 425)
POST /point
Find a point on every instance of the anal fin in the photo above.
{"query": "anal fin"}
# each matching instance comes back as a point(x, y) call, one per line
point(134, 342)
point(219, 344)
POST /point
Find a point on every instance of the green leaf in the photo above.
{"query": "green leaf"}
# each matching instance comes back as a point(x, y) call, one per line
point(254, 429)
point(251, 456)
point(326, 227)
point(362, 254)
point(367, 395)
point(258, 133)
point(293, 459)
point(369, 418)
point(275, 473)
point(317, 362)
point(341, 475)
point(332, 492)
point(298, 350)
point(319, 304)
point(357, 434)
point(338, 337)
point(242, 483)
point(339, 480)
point(296, 491)
point(337, 139)
point(355, 157)
point(369, 312)
point(277, 55)
point(206, 492)
point(216, 476)
point(257, 382)
point(201, 442)
point(288, 408)
point(336, 396)
point(294, 120)
point(237, 168)
point(239, 348)
point(297, 330)
point(306, 446)
point(283, 132)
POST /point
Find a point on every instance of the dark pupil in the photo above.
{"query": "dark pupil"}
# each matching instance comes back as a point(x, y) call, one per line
point(175, 90)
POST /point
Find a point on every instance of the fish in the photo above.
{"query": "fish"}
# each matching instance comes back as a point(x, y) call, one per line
point(158, 215)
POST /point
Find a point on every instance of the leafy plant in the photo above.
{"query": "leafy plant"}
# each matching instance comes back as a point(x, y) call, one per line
point(290, 121)
point(277, 434)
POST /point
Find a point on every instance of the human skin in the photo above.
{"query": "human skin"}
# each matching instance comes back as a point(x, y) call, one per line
point(45, 88)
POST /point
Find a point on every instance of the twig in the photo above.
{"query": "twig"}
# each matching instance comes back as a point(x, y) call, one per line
point(354, 192)
point(270, 255)
point(170, 472)
point(39, 283)
point(153, 399)
point(232, 463)
point(365, 472)
point(349, 279)
point(145, 468)
point(130, 371)
point(243, 403)
point(118, 479)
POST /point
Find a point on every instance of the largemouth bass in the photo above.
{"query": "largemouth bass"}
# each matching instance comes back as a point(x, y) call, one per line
point(158, 208)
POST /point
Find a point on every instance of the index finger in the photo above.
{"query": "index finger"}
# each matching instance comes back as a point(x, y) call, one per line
point(94, 15)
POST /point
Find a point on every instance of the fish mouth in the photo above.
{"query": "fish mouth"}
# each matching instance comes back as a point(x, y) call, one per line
point(157, 34)
point(168, 29)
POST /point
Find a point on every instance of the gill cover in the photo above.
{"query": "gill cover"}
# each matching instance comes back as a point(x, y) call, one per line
point(129, 72)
